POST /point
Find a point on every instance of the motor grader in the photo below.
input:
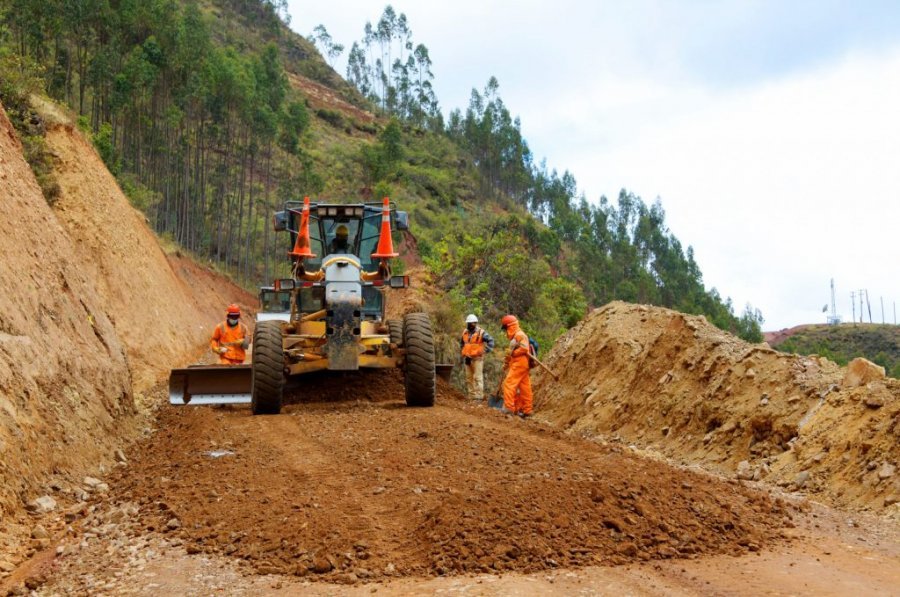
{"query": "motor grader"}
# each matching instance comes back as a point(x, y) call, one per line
point(336, 322)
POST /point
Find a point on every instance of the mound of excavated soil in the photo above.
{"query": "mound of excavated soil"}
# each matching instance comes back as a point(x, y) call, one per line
point(659, 378)
point(352, 482)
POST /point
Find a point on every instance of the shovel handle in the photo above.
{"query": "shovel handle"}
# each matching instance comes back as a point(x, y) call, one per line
point(543, 366)
point(535, 359)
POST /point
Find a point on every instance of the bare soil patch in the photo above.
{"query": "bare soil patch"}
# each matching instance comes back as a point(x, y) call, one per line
point(321, 96)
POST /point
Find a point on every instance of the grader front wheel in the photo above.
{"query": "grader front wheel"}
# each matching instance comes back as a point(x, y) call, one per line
point(419, 367)
point(268, 369)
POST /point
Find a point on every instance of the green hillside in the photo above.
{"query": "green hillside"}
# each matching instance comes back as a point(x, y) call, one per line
point(842, 343)
point(212, 113)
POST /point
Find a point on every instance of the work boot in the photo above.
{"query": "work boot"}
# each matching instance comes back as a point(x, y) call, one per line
point(524, 415)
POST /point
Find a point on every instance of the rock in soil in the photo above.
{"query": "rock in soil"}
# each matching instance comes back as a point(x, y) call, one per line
point(42, 505)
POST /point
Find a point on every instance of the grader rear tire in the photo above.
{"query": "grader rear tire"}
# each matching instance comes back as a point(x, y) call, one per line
point(268, 369)
point(419, 368)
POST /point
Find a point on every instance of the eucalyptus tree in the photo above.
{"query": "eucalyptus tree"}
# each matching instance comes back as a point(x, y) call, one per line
point(323, 40)
point(393, 72)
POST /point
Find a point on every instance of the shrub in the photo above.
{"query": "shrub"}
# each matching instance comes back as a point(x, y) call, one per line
point(332, 117)
point(103, 141)
point(140, 196)
point(19, 78)
point(83, 124)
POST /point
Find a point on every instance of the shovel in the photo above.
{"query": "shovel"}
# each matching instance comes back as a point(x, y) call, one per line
point(495, 400)
point(535, 359)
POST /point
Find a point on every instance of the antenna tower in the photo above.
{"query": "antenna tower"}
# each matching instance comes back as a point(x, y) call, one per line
point(834, 318)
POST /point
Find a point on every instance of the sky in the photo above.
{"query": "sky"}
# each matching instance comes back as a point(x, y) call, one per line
point(769, 130)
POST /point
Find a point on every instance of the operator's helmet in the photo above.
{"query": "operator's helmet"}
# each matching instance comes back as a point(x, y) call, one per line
point(342, 232)
point(507, 321)
point(233, 310)
point(471, 318)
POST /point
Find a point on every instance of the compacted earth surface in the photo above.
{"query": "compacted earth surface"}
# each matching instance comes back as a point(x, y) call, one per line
point(350, 491)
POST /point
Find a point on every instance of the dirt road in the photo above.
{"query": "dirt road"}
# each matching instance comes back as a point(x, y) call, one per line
point(349, 490)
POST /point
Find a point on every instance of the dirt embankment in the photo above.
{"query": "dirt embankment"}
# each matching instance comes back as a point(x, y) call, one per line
point(91, 312)
point(670, 381)
point(161, 306)
point(63, 376)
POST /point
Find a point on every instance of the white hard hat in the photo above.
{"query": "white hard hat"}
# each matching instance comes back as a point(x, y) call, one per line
point(470, 318)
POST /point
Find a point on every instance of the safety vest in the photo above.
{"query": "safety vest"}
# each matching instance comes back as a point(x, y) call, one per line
point(231, 338)
point(473, 344)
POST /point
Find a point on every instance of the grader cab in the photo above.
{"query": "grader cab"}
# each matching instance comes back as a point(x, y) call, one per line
point(339, 284)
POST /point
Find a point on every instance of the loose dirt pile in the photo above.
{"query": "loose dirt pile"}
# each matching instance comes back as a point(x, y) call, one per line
point(353, 485)
point(670, 381)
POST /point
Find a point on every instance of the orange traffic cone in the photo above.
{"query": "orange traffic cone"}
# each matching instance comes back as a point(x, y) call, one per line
point(301, 246)
point(385, 248)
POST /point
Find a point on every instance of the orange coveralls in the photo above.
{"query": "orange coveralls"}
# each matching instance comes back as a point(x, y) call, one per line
point(517, 378)
point(231, 338)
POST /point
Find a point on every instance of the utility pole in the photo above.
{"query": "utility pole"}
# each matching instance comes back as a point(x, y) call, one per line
point(862, 318)
point(881, 298)
point(869, 305)
point(853, 304)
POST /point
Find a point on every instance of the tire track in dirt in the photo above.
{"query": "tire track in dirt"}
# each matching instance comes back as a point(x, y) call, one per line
point(349, 483)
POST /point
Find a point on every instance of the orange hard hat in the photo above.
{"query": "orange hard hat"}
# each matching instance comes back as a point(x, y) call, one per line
point(233, 309)
point(508, 320)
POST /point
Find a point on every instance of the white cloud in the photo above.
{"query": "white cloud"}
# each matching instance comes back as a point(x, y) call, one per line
point(778, 188)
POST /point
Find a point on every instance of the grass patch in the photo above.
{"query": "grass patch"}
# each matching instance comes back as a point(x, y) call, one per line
point(843, 343)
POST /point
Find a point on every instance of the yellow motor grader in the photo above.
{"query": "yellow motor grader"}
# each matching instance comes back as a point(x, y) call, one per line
point(337, 293)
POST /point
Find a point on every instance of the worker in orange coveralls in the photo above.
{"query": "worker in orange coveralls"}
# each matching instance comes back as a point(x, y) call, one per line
point(517, 366)
point(230, 338)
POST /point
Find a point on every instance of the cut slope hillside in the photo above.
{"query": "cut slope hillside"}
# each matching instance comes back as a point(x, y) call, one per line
point(92, 310)
point(64, 382)
point(673, 382)
point(160, 317)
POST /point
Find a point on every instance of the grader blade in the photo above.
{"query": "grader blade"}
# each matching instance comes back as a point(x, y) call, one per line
point(210, 385)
